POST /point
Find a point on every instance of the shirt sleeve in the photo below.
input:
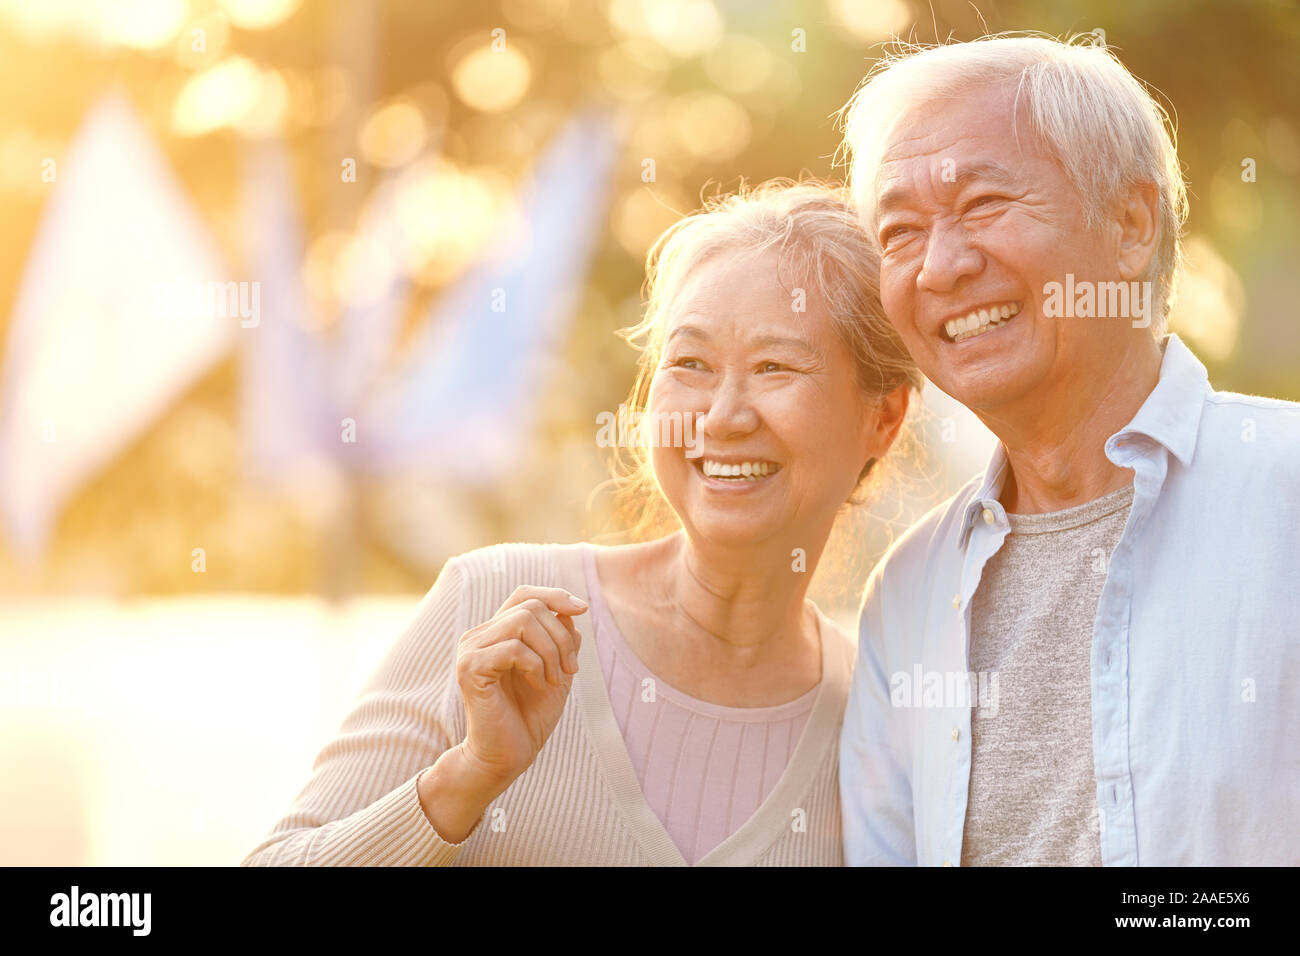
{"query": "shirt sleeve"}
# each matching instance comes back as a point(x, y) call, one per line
point(361, 806)
point(875, 788)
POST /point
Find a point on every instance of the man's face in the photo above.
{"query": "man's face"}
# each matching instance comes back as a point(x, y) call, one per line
point(971, 222)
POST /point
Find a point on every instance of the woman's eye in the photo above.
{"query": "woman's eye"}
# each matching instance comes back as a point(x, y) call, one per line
point(893, 232)
point(982, 200)
point(772, 367)
point(686, 362)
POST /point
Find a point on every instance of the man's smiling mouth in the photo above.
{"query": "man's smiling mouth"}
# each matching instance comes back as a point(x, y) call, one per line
point(978, 321)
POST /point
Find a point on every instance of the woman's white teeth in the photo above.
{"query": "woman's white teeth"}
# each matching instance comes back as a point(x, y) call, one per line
point(747, 469)
point(981, 320)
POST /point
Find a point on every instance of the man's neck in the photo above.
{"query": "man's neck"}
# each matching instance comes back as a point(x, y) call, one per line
point(1056, 449)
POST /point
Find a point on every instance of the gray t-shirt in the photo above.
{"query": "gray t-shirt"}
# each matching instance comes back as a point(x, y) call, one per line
point(1033, 796)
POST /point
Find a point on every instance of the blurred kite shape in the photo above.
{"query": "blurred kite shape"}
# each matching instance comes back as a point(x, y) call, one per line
point(467, 399)
point(460, 408)
point(115, 316)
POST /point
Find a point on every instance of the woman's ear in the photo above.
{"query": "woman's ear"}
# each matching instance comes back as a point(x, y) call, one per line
point(888, 421)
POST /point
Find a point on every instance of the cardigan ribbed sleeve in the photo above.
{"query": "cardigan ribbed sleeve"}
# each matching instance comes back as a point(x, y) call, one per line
point(360, 807)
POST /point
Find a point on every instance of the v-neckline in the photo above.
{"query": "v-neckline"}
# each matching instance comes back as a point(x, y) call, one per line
point(772, 818)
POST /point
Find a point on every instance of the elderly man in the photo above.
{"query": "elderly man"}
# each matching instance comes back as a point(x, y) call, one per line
point(1091, 653)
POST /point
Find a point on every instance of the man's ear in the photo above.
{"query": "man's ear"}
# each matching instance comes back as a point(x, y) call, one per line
point(1136, 221)
point(889, 414)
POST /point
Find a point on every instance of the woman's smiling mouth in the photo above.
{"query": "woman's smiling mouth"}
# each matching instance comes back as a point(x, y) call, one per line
point(741, 473)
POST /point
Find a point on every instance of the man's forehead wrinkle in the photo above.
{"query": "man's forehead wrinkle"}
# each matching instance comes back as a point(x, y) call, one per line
point(895, 187)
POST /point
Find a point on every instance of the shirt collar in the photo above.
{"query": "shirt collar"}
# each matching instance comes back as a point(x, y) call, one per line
point(1171, 416)
point(987, 495)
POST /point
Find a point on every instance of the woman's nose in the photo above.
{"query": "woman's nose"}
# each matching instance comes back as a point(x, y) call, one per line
point(730, 410)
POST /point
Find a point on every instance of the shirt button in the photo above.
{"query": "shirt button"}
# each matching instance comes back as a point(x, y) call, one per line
point(988, 516)
point(956, 600)
point(956, 734)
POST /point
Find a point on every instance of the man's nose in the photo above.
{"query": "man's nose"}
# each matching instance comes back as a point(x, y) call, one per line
point(949, 257)
point(730, 410)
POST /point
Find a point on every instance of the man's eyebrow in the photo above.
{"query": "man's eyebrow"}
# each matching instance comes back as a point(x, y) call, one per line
point(983, 169)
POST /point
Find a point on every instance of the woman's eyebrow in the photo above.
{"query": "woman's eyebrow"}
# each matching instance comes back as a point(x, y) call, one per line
point(768, 341)
point(694, 331)
point(762, 341)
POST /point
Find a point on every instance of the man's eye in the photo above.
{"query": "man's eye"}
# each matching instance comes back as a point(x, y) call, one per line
point(772, 367)
point(983, 200)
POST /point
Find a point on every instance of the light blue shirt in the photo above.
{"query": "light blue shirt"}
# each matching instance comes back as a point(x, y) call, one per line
point(1195, 651)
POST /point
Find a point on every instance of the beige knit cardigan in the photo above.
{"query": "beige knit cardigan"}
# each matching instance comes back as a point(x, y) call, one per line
point(579, 803)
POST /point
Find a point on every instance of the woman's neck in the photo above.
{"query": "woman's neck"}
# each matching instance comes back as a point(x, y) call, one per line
point(727, 625)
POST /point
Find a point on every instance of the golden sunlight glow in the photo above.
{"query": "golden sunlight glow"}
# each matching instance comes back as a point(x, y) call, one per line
point(217, 97)
point(871, 20)
point(393, 134)
point(633, 70)
point(144, 24)
point(709, 125)
point(363, 271)
point(492, 80)
point(319, 264)
point(446, 215)
point(1207, 310)
point(738, 64)
point(684, 28)
point(1236, 204)
point(258, 14)
point(267, 113)
point(343, 269)
point(202, 41)
point(643, 214)
point(535, 14)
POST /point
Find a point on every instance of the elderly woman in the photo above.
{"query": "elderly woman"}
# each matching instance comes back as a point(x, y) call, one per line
point(671, 702)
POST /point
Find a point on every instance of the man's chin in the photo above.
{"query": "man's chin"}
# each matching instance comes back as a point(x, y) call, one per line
point(987, 391)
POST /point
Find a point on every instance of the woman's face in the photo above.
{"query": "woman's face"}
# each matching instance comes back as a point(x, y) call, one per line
point(782, 428)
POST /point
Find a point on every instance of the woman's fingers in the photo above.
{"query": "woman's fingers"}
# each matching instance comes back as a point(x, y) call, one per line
point(495, 660)
point(557, 600)
point(551, 635)
point(540, 630)
point(562, 636)
point(567, 621)
point(535, 627)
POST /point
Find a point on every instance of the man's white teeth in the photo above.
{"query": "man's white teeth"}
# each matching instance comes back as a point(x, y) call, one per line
point(748, 469)
point(981, 320)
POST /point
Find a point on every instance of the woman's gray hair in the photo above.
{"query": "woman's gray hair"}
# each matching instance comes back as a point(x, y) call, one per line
point(1098, 120)
point(823, 249)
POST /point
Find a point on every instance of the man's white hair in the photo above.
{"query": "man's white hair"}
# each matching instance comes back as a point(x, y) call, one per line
point(1088, 110)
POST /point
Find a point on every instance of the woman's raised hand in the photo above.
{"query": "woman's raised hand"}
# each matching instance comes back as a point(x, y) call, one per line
point(515, 671)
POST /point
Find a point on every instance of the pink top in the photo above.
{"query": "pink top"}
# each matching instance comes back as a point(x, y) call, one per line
point(703, 768)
